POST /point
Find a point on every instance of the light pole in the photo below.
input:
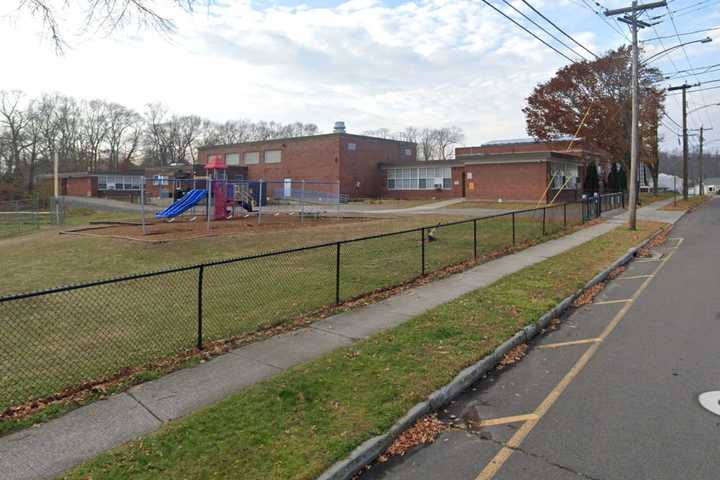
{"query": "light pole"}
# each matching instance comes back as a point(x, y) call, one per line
point(654, 57)
point(630, 17)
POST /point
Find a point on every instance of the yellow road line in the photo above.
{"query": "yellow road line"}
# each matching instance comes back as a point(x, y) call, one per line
point(516, 440)
point(505, 420)
point(610, 302)
point(634, 277)
point(584, 341)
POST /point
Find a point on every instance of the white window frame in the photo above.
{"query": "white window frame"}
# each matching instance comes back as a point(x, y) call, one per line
point(272, 152)
point(255, 158)
point(232, 159)
point(410, 178)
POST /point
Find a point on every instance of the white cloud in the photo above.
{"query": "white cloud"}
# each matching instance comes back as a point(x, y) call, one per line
point(425, 63)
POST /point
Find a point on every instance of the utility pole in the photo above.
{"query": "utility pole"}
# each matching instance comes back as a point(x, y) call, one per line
point(700, 158)
point(631, 19)
point(684, 87)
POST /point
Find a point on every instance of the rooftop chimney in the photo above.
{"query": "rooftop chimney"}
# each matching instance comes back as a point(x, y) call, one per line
point(339, 127)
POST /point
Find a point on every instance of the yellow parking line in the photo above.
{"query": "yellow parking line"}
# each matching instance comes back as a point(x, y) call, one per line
point(516, 440)
point(505, 420)
point(635, 277)
point(568, 344)
point(610, 302)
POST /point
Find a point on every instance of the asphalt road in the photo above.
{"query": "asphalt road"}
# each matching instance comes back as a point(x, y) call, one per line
point(620, 401)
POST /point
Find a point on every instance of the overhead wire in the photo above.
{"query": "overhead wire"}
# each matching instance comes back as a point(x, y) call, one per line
point(559, 29)
point(543, 29)
point(528, 31)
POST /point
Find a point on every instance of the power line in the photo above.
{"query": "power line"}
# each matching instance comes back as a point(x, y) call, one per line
point(587, 5)
point(681, 34)
point(672, 20)
point(543, 29)
point(696, 91)
point(672, 119)
point(559, 29)
point(528, 31)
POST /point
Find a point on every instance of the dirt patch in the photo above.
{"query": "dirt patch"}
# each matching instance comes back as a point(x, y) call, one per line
point(158, 231)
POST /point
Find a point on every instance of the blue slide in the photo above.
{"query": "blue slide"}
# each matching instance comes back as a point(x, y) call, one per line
point(189, 200)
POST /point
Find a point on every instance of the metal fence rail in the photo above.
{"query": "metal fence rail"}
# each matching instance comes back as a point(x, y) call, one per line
point(69, 335)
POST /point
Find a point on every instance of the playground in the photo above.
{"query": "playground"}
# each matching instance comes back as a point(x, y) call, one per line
point(217, 202)
point(156, 231)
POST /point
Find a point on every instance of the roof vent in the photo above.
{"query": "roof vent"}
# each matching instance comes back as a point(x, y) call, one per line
point(339, 127)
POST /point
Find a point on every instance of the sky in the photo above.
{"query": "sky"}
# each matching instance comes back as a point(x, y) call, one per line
point(370, 63)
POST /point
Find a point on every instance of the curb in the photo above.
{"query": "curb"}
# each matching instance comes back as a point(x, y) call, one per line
point(369, 450)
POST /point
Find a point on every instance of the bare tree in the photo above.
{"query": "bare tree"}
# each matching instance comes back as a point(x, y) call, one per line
point(446, 138)
point(14, 119)
point(104, 16)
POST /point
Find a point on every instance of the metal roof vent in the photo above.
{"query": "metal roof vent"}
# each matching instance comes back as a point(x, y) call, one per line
point(339, 127)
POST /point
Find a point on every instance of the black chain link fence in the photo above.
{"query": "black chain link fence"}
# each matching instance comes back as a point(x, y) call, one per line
point(67, 336)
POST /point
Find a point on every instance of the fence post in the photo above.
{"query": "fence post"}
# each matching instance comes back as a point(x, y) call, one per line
point(544, 212)
point(422, 251)
point(564, 214)
point(302, 201)
point(475, 238)
point(337, 273)
point(142, 204)
point(200, 308)
point(600, 200)
point(513, 227)
point(260, 201)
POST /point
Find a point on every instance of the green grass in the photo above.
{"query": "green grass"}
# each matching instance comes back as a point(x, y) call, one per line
point(688, 204)
point(495, 205)
point(71, 337)
point(647, 198)
point(296, 424)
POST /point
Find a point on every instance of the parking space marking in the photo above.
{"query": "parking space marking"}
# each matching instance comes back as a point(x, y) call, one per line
point(516, 440)
point(584, 341)
point(611, 302)
point(635, 277)
point(505, 420)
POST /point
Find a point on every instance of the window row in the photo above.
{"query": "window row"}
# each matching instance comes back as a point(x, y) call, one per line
point(419, 178)
point(119, 182)
point(253, 158)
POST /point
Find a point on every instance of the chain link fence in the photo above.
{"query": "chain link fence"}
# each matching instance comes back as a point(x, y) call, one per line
point(67, 336)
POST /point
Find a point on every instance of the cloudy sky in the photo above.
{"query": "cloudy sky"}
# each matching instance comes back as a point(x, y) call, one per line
point(370, 63)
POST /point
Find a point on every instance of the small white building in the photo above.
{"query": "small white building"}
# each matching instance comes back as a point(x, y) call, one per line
point(711, 184)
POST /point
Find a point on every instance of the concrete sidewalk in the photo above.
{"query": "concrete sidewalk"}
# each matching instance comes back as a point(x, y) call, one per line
point(47, 450)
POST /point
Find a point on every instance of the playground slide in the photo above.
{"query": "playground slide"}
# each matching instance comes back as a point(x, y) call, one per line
point(189, 200)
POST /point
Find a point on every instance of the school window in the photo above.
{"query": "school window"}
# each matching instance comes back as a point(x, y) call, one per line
point(419, 178)
point(252, 158)
point(273, 156)
point(232, 159)
point(351, 146)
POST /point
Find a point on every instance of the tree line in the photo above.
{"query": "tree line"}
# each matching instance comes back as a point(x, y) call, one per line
point(432, 143)
point(93, 135)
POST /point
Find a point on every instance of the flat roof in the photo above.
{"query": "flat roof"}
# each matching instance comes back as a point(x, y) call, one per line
point(529, 140)
point(424, 163)
point(304, 138)
point(486, 158)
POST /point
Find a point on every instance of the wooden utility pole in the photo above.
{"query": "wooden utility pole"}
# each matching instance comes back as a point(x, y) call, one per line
point(684, 87)
point(633, 12)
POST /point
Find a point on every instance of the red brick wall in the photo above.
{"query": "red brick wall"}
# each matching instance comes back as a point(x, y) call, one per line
point(80, 186)
point(308, 158)
point(360, 172)
point(524, 182)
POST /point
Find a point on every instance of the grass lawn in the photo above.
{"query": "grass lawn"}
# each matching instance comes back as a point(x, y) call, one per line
point(691, 202)
point(298, 423)
point(495, 205)
point(647, 198)
point(397, 203)
point(99, 330)
point(47, 259)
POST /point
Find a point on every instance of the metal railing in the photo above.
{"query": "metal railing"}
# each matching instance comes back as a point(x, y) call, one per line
point(70, 335)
